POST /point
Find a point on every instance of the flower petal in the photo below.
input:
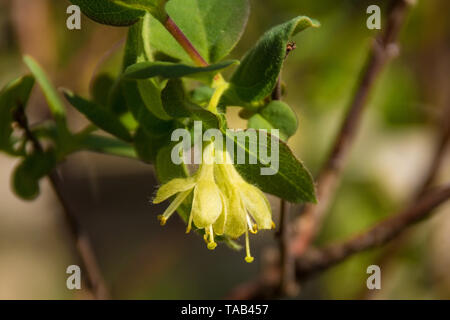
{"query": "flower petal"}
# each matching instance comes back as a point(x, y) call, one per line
point(219, 225)
point(172, 187)
point(207, 204)
point(236, 222)
point(257, 205)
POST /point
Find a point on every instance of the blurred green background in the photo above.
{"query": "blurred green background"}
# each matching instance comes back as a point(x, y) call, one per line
point(141, 260)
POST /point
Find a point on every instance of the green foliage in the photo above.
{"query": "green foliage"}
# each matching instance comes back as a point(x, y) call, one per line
point(14, 95)
point(100, 117)
point(108, 12)
point(106, 145)
point(145, 70)
point(55, 103)
point(159, 89)
point(28, 173)
point(258, 72)
point(212, 26)
point(155, 7)
point(292, 181)
point(147, 144)
point(276, 115)
point(100, 88)
point(178, 105)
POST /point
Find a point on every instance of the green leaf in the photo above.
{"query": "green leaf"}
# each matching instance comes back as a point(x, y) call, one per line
point(151, 96)
point(102, 118)
point(147, 145)
point(108, 12)
point(202, 95)
point(101, 87)
point(140, 112)
point(149, 69)
point(166, 170)
point(137, 48)
point(106, 145)
point(136, 51)
point(258, 72)
point(14, 94)
point(213, 27)
point(155, 7)
point(178, 105)
point(292, 181)
point(276, 115)
point(54, 101)
point(27, 174)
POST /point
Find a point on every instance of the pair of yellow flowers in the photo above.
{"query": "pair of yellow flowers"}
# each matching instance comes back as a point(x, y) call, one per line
point(223, 202)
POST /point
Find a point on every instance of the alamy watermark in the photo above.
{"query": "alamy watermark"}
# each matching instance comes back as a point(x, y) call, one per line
point(74, 280)
point(250, 145)
point(374, 280)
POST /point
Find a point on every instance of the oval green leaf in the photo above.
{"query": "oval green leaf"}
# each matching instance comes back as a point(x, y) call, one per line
point(258, 72)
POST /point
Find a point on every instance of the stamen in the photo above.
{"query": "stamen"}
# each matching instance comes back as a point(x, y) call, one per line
point(273, 225)
point(189, 226)
point(248, 257)
point(173, 206)
point(252, 227)
point(211, 244)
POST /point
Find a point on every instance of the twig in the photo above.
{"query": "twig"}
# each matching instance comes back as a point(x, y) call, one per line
point(181, 38)
point(383, 49)
point(287, 283)
point(314, 261)
point(317, 260)
point(434, 167)
point(95, 282)
point(439, 153)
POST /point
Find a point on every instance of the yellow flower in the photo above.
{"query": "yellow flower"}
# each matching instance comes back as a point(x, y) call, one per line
point(245, 208)
point(223, 203)
point(207, 201)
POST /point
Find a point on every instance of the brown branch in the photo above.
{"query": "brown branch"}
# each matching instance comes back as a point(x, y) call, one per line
point(181, 38)
point(88, 262)
point(383, 49)
point(317, 260)
point(287, 282)
point(314, 261)
point(442, 143)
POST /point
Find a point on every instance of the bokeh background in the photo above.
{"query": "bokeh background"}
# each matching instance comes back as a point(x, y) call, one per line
point(140, 259)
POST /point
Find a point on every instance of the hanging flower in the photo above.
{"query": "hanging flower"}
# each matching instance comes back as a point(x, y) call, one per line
point(223, 203)
point(207, 201)
point(246, 208)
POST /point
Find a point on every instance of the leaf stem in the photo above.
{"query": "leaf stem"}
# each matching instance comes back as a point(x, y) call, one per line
point(181, 38)
point(95, 281)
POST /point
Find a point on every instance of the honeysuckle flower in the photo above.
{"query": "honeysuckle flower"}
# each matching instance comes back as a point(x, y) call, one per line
point(246, 208)
point(207, 201)
point(223, 203)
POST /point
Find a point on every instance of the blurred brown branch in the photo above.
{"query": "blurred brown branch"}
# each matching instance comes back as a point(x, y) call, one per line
point(383, 49)
point(87, 259)
point(317, 260)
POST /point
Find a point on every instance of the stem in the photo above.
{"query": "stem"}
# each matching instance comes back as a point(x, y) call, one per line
point(377, 236)
point(181, 38)
point(287, 284)
point(88, 262)
point(383, 49)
